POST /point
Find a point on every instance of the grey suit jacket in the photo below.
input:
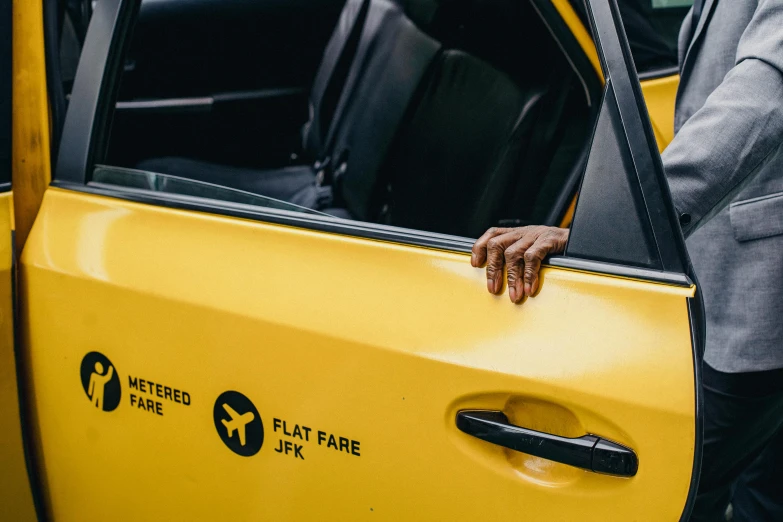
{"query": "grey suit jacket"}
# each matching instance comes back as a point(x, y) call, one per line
point(725, 170)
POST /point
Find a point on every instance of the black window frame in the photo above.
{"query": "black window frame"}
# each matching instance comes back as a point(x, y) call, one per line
point(644, 72)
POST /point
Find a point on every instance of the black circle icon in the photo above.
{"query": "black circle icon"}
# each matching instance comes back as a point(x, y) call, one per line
point(100, 381)
point(238, 423)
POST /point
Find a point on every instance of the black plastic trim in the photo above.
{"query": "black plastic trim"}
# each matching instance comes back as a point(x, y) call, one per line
point(5, 186)
point(54, 82)
point(620, 72)
point(599, 267)
point(659, 73)
point(87, 121)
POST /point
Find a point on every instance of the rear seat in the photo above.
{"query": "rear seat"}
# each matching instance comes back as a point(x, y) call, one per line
point(457, 154)
point(372, 66)
point(418, 136)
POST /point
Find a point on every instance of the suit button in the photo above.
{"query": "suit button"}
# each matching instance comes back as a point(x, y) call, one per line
point(685, 220)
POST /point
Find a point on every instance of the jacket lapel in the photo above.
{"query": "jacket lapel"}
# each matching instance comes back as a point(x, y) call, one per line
point(709, 5)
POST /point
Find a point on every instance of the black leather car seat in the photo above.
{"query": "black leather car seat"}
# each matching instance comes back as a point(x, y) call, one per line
point(456, 155)
point(372, 66)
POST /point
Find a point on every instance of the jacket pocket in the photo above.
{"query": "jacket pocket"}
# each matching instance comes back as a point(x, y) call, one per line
point(757, 218)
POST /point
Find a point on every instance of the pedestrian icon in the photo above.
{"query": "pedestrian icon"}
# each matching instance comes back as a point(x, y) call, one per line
point(238, 423)
point(100, 381)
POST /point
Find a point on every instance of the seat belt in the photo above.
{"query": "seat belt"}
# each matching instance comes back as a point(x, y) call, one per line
point(332, 76)
point(388, 70)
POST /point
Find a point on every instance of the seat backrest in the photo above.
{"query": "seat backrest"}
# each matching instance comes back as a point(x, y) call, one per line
point(443, 130)
point(392, 61)
point(332, 74)
point(456, 155)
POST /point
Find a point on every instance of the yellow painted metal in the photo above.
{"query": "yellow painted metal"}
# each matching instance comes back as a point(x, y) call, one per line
point(31, 169)
point(569, 215)
point(16, 500)
point(660, 95)
point(375, 342)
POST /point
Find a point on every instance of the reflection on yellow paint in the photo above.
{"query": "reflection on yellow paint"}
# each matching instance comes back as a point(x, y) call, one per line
point(91, 235)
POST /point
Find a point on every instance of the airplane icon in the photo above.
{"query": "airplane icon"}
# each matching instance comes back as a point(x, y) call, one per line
point(237, 423)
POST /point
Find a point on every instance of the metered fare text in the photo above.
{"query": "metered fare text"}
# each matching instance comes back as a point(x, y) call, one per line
point(149, 393)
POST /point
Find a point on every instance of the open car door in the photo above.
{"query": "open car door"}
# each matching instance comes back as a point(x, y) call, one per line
point(196, 357)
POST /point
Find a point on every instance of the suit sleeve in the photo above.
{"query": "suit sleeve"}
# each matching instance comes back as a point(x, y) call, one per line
point(737, 130)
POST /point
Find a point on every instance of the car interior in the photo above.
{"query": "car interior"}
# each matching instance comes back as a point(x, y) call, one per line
point(448, 116)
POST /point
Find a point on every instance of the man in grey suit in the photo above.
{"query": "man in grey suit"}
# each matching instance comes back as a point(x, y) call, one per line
point(725, 171)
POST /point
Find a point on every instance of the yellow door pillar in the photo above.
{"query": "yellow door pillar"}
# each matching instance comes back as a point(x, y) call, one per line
point(31, 167)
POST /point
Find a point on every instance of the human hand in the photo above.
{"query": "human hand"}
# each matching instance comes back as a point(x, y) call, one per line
point(521, 250)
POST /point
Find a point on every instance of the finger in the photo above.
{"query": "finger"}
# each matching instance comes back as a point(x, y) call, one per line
point(478, 254)
point(496, 247)
point(515, 264)
point(533, 258)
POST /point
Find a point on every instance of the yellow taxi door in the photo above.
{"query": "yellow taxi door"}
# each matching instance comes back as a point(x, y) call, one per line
point(16, 499)
point(193, 358)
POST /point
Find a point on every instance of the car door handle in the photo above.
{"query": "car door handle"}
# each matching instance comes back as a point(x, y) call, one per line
point(588, 452)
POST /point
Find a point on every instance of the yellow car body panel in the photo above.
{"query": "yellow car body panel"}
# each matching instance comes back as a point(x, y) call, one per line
point(378, 343)
point(16, 499)
point(660, 95)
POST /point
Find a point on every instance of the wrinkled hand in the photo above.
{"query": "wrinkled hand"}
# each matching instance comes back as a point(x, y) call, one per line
point(521, 250)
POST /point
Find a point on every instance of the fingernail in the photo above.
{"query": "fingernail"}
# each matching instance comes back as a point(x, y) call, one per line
point(512, 293)
point(491, 286)
point(528, 289)
point(473, 259)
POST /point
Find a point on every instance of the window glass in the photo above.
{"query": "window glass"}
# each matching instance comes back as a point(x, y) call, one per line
point(652, 27)
point(150, 181)
point(450, 124)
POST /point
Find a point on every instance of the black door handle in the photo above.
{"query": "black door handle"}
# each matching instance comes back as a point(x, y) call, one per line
point(587, 452)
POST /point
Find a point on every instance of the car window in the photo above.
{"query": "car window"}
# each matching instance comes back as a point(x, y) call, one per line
point(447, 122)
point(652, 27)
point(426, 129)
